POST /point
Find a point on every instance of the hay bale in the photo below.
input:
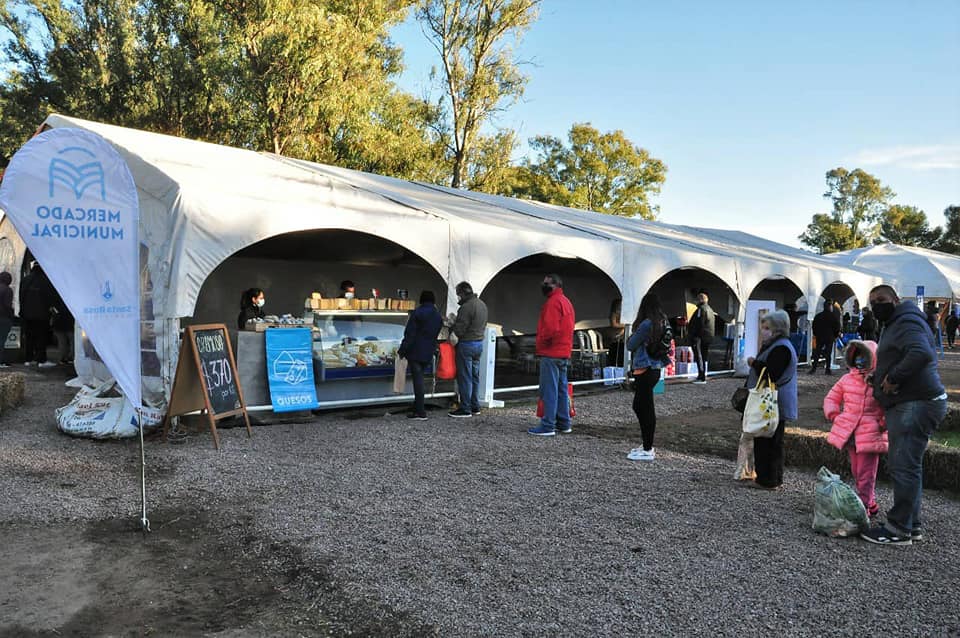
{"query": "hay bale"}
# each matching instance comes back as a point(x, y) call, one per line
point(12, 385)
point(951, 422)
point(809, 448)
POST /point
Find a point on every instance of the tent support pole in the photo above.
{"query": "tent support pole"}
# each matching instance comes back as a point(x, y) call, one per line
point(144, 522)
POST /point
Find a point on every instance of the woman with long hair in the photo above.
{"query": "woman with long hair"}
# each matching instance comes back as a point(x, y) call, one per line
point(647, 359)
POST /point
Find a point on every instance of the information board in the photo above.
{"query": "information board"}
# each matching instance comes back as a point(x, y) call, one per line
point(207, 378)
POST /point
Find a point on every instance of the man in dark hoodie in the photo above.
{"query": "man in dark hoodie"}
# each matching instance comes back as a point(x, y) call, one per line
point(469, 327)
point(907, 384)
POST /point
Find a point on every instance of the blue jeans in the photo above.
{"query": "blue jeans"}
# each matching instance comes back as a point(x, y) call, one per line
point(468, 374)
point(909, 426)
point(553, 391)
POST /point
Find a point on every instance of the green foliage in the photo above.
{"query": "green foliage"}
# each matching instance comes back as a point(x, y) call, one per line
point(306, 78)
point(859, 200)
point(950, 239)
point(602, 172)
point(907, 226)
point(478, 71)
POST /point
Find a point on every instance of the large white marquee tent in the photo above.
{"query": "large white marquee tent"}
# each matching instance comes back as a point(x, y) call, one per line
point(202, 203)
point(909, 267)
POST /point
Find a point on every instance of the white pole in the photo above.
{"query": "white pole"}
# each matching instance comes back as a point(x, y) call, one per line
point(144, 522)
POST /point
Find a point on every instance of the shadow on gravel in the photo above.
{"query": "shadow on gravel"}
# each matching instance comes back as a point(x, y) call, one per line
point(192, 575)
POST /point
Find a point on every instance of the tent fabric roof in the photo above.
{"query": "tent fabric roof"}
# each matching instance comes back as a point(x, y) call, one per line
point(908, 267)
point(201, 203)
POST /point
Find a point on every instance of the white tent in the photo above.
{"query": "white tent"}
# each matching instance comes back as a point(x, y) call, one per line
point(202, 203)
point(908, 267)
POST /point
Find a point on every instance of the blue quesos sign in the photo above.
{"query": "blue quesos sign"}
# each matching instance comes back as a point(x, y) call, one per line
point(72, 199)
point(290, 369)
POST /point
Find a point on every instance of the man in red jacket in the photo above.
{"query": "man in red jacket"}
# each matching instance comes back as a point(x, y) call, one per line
point(554, 343)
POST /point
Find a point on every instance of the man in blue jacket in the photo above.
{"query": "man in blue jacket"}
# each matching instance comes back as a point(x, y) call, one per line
point(418, 345)
point(907, 384)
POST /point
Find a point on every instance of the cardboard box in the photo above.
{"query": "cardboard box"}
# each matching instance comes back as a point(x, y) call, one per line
point(610, 373)
point(364, 304)
point(343, 304)
point(315, 304)
point(382, 304)
point(316, 295)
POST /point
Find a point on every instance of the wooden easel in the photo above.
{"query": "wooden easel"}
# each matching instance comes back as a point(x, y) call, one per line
point(191, 390)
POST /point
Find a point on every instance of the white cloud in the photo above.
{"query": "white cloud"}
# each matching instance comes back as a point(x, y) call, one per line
point(920, 158)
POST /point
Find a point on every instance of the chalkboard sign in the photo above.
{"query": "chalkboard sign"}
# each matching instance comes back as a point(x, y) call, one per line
point(216, 369)
point(207, 378)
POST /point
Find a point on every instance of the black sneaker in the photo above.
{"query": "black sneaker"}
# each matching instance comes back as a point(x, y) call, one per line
point(475, 412)
point(882, 536)
point(916, 536)
point(459, 414)
point(417, 417)
point(564, 429)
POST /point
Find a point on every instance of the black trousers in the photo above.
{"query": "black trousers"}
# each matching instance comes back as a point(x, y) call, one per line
point(35, 339)
point(768, 458)
point(416, 375)
point(701, 352)
point(824, 349)
point(643, 405)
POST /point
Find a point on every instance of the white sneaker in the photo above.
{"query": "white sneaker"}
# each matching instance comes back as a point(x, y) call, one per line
point(47, 364)
point(639, 454)
point(29, 363)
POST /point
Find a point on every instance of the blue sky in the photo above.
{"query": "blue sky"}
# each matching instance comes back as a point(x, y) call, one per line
point(749, 103)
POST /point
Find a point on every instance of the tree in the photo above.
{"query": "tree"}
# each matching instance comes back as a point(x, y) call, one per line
point(602, 172)
point(307, 78)
point(859, 200)
point(478, 71)
point(907, 226)
point(950, 239)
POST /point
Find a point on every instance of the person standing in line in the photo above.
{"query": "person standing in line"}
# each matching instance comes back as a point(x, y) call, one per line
point(701, 331)
point(858, 421)
point(6, 314)
point(418, 345)
point(868, 329)
point(907, 385)
point(36, 297)
point(650, 354)
point(554, 345)
point(951, 324)
point(469, 326)
point(826, 329)
point(62, 324)
point(779, 359)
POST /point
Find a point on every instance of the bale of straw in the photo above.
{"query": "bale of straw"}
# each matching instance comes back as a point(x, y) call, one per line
point(11, 390)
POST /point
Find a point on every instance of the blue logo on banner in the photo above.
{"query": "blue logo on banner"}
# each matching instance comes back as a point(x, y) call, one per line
point(77, 176)
point(106, 293)
point(290, 369)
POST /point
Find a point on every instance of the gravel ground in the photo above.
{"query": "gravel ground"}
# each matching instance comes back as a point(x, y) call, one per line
point(471, 527)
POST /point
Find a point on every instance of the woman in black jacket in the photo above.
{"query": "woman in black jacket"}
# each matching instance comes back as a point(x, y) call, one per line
point(251, 307)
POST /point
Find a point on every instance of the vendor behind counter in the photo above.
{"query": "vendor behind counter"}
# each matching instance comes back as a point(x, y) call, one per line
point(251, 307)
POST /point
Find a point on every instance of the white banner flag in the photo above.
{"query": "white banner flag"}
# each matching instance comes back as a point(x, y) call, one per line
point(72, 199)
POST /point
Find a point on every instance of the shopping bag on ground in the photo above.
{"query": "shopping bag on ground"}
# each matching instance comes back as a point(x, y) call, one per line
point(837, 510)
point(745, 470)
point(761, 415)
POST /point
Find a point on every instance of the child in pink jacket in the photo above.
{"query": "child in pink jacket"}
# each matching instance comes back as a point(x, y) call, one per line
point(858, 421)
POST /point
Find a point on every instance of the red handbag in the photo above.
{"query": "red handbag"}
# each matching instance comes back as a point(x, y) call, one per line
point(446, 362)
point(573, 410)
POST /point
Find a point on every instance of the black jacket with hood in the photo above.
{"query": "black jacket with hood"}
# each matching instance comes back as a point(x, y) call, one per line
point(907, 356)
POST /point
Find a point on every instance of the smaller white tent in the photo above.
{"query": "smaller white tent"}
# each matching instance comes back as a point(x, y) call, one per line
point(908, 267)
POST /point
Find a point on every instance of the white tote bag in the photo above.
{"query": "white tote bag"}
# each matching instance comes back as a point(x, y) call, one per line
point(762, 414)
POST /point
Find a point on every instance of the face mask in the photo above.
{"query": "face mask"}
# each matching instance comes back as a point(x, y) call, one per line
point(859, 362)
point(348, 295)
point(883, 311)
point(546, 289)
point(260, 302)
point(765, 334)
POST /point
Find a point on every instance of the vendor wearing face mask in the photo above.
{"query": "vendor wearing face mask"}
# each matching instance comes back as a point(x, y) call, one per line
point(251, 307)
point(347, 289)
